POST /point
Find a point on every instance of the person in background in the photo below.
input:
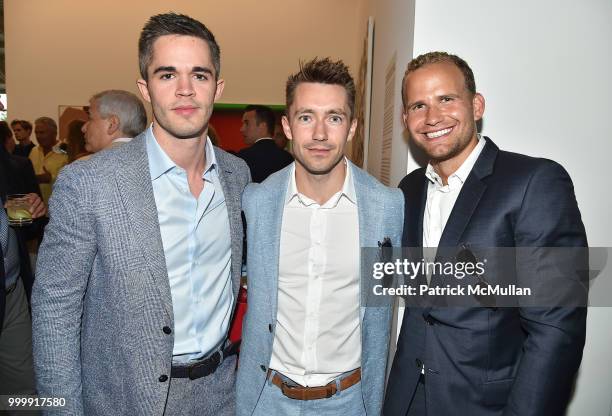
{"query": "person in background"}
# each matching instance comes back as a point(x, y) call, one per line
point(115, 117)
point(16, 277)
point(8, 143)
point(279, 137)
point(75, 141)
point(47, 158)
point(263, 156)
point(23, 132)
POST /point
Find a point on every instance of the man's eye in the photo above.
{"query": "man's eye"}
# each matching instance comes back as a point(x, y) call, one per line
point(166, 76)
point(336, 119)
point(417, 107)
point(304, 118)
point(446, 99)
point(200, 77)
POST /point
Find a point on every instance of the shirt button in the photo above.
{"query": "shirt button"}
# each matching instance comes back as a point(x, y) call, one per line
point(263, 368)
point(163, 378)
point(418, 363)
point(270, 327)
point(167, 330)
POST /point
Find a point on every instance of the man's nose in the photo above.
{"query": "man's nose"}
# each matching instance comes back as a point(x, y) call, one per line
point(320, 132)
point(433, 115)
point(185, 86)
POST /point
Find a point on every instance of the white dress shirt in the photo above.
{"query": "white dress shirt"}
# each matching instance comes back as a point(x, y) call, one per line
point(317, 336)
point(441, 200)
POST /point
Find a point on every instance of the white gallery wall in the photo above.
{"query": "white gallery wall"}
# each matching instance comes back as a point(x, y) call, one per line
point(61, 52)
point(544, 69)
point(393, 37)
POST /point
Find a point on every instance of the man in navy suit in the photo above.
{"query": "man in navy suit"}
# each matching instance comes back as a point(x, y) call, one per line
point(263, 156)
point(482, 360)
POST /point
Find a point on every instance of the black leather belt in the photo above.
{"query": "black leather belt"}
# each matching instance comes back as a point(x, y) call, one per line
point(206, 366)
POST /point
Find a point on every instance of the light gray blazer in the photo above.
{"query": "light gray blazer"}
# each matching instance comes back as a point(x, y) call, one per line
point(380, 213)
point(102, 295)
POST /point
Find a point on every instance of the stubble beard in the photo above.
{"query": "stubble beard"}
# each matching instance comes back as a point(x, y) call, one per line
point(318, 172)
point(181, 132)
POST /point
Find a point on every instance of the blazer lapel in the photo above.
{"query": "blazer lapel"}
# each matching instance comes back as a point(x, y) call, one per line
point(136, 190)
point(415, 197)
point(469, 197)
point(369, 223)
point(415, 200)
point(270, 230)
point(233, 195)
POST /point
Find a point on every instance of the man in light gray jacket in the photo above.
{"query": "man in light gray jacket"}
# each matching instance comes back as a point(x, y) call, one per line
point(311, 344)
point(139, 269)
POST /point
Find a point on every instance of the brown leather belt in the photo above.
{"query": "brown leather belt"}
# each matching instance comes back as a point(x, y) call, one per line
point(315, 393)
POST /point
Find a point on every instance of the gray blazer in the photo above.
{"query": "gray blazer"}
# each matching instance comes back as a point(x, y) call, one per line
point(102, 295)
point(380, 214)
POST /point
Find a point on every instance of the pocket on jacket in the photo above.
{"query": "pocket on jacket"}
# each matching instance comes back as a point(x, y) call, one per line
point(496, 392)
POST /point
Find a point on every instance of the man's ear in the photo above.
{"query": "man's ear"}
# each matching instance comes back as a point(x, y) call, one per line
point(113, 124)
point(286, 127)
point(478, 102)
point(352, 130)
point(405, 119)
point(144, 90)
point(219, 91)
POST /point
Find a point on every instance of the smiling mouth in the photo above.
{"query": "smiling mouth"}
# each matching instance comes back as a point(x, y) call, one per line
point(439, 133)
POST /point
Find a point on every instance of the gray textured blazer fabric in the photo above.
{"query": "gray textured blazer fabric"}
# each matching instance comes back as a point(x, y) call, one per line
point(102, 295)
point(380, 214)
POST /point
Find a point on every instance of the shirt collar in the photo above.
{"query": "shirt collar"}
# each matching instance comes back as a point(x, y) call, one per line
point(464, 170)
point(121, 140)
point(348, 190)
point(263, 138)
point(160, 162)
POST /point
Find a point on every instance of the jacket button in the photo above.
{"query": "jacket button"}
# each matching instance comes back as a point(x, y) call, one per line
point(429, 320)
point(270, 327)
point(263, 368)
point(163, 378)
point(418, 363)
point(167, 330)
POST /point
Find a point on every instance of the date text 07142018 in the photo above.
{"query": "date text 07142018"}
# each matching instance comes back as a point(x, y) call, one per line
point(31, 402)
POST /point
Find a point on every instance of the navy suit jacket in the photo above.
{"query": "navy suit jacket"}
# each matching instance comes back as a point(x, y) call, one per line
point(485, 361)
point(264, 158)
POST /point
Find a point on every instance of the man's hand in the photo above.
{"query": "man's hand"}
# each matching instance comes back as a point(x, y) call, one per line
point(44, 177)
point(37, 206)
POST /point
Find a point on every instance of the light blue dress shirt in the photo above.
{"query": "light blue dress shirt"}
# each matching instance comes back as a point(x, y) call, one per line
point(195, 234)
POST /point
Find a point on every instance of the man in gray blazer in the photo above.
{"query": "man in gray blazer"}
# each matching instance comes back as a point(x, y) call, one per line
point(310, 347)
point(139, 269)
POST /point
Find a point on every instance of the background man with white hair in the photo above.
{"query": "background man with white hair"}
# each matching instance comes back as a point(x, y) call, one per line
point(115, 117)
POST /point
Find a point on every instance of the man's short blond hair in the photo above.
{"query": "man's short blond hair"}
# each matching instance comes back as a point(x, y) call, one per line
point(437, 57)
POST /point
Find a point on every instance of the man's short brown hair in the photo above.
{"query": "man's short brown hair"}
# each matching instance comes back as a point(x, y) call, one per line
point(26, 125)
point(437, 57)
point(174, 24)
point(322, 71)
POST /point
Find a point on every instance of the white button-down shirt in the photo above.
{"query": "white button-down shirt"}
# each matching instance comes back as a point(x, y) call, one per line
point(318, 335)
point(441, 200)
